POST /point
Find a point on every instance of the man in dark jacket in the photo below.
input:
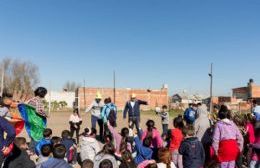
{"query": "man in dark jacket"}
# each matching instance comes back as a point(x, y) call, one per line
point(132, 107)
point(19, 157)
point(192, 150)
point(5, 127)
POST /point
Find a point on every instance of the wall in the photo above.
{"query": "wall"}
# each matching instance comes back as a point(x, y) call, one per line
point(241, 93)
point(255, 91)
point(154, 97)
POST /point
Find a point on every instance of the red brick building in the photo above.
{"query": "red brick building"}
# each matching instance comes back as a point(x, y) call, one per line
point(152, 96)
point(252, 91)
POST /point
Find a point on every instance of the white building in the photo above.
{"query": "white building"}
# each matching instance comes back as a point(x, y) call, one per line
point(68, 97)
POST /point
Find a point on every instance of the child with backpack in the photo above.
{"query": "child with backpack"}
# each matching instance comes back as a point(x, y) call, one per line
point(109, 112)
point(190, 115)
point(191, 149)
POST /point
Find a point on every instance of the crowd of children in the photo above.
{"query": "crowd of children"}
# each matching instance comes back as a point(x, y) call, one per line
point(195, 140)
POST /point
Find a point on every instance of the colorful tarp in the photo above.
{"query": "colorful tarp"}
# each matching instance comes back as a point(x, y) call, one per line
point(34, 124)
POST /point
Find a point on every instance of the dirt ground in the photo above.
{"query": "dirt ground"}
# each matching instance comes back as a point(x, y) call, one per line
point(58, 121)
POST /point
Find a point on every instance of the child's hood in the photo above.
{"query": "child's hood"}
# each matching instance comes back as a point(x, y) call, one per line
point(226, 122)
point(87, 140)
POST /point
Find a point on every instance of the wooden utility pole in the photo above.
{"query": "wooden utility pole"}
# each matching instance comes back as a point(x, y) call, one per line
point(84, 83)
point(2, 81)
point(211, 87)
point(114, 76)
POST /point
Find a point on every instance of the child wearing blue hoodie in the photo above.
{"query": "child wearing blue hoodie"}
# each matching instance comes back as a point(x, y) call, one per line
point(143, 150)
point(47, 133)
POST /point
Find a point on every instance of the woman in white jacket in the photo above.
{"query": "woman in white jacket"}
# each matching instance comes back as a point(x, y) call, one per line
point(89, 146)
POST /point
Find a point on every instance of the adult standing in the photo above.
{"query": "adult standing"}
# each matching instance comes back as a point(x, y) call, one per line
point(75, 121)
point(132, 107)
point(95, 108)
point(256, 110)
point(202, 123)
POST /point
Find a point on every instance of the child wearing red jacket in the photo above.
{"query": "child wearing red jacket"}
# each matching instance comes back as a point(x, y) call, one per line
point(176, 139)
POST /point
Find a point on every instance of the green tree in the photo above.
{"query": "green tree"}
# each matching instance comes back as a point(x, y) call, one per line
point(63, 104)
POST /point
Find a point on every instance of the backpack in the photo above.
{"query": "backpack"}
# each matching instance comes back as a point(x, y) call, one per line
point(112, 115)
point(190, 115)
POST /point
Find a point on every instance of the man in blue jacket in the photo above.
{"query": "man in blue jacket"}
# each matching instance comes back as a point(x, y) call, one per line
point(132, 107)
point(5, 127)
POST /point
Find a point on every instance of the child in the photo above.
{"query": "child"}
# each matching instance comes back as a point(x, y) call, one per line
point(176, 139)
point(59, 152)
point(75, 122)
point(55, 140)
point(164, 157)
point(46, 151)
point(127, 160)
point(152, 132)
point(165, 119)
point(5, 102)
point(191, 149)
point(37, 101)
point(249, 134)
point(87, 164)
point(227, 139)
point(144, 152)
point(106, 164)
point(107, 153)
point(89, 146)
point(47, 133)
point(7, 135)
point(69, 145)
point(19, 156)
point(119, 139)
point(255, 158)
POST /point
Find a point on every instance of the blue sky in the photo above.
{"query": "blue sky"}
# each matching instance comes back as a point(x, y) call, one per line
point(147, 42)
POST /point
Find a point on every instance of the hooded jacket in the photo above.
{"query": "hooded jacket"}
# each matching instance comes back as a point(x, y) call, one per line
point(157, 141)
point(143, 153)
point(227, 130)
point(55, 163)
point(100, 157)
point(192, 152)
point(40, 145)
point(6, 127)
point(95, 108)
point(89, 147)
point(202, 123)
point(18, 159)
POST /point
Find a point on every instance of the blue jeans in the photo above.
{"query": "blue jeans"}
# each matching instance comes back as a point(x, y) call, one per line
point(94, 121)
point(254, 164)
point(231, 164)
point(165, 129)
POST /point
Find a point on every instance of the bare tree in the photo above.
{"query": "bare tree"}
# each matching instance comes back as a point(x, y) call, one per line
point(20, 78)
point(71, 86)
